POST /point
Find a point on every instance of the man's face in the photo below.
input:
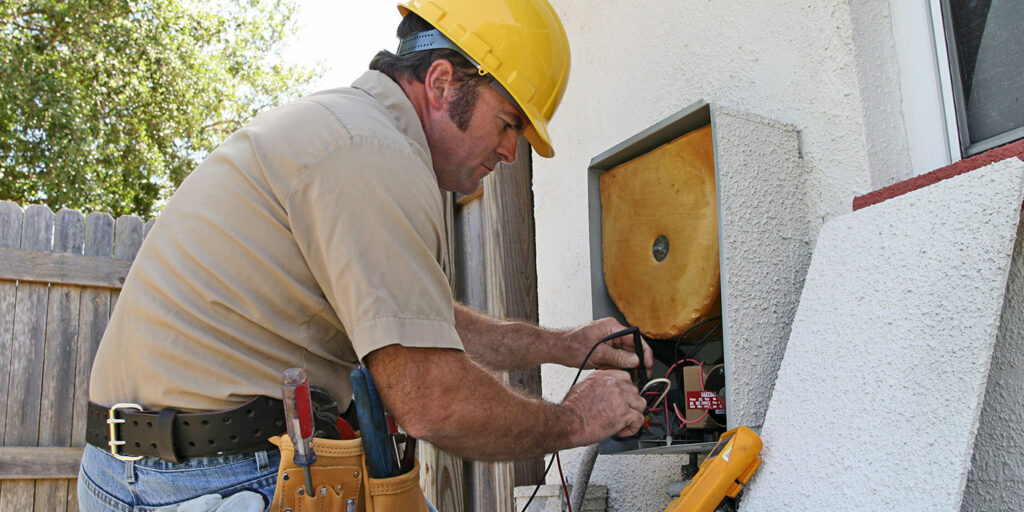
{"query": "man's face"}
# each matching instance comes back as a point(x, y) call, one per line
point(468, 140)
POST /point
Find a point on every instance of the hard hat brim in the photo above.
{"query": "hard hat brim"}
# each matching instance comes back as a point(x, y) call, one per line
point(537, 135)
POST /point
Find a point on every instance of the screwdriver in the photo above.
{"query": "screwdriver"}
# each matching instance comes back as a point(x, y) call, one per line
point(298, 414)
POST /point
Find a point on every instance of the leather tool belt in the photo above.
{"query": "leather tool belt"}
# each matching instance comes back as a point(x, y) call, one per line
point(341, 481)
point(129, 432)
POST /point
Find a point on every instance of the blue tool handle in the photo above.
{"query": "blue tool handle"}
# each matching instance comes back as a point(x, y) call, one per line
point(375, 439)
point(380, 422)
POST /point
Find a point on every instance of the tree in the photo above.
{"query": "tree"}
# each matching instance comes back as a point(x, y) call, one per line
point(109, 104)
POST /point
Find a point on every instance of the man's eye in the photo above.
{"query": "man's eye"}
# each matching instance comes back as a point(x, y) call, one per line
point(506, 126)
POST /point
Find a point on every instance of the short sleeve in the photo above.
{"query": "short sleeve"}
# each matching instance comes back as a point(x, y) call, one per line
point(368, 218)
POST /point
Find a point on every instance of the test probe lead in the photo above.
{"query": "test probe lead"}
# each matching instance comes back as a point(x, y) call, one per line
point(631, 330)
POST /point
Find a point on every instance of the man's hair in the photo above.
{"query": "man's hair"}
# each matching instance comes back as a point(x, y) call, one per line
point(415, 65)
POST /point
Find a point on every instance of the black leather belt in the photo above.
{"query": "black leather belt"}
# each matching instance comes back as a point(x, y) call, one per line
point(129, 432)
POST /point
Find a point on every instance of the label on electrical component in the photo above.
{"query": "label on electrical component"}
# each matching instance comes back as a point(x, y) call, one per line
point(704, 400)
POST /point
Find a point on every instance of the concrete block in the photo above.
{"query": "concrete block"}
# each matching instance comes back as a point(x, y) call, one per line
point(551, 498)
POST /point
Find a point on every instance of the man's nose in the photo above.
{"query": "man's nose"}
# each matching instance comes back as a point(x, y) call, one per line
point(507, 147)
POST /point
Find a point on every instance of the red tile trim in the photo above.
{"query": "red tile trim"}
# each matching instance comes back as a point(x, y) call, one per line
point(1013, 149)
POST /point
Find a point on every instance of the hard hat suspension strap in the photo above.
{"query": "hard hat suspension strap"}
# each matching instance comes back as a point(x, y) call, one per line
point(434, 40)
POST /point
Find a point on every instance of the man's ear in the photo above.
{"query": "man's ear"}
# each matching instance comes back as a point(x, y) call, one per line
point(438, 83)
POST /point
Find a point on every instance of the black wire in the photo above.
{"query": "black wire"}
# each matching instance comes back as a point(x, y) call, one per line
point(630, 330)
point(681, 337)
point(703, 340)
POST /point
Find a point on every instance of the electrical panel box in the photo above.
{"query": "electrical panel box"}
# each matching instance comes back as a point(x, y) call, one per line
point(676, 215)
point(654, 243)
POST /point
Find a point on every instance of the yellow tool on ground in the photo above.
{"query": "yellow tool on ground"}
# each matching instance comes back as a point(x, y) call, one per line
point(727, 469)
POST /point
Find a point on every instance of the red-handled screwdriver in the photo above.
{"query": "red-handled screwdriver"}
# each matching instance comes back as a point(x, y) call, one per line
point(298, 414)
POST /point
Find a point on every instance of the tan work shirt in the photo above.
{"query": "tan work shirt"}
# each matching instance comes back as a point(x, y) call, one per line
point(310, 238)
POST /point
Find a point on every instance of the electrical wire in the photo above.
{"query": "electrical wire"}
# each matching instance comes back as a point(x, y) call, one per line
point(700, 372)
point(681, 337)
point(703, 341)
point(565, 488)
point(612, 336)
point(668, 385)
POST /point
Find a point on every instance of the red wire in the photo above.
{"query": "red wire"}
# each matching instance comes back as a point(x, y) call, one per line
point(565, 488)
point(700, 371)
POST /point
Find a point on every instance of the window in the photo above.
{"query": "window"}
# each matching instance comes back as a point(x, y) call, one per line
point(985, 47)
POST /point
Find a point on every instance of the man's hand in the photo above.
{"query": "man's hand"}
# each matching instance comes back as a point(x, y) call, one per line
point(616, 353)
point(607, 403)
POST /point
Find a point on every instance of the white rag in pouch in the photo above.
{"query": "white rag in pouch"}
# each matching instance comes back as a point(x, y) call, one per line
point(245, 501)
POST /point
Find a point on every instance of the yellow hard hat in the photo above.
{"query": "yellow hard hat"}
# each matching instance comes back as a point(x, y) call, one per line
point(520, 43)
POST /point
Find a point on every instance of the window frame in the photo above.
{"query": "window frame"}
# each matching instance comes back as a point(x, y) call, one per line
point(958, 102)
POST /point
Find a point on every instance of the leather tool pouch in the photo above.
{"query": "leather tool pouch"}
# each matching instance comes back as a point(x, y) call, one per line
point(399, 493)
point(339, 473)
point(337, 476)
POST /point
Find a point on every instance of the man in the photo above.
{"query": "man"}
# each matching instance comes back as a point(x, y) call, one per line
point(314, 237)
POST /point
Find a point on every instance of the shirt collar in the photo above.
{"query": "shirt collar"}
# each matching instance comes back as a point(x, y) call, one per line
point(391, 96)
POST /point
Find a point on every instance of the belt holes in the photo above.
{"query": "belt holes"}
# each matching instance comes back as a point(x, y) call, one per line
point(249, 413)
point(152, 445)
point(137, 445)
point(185, 423)
point(278, 422)
point(135, 423)
point(257, 432)
point(204, 423)
point(149, 424)
point(211, 442)
point(233, 438)
point(191, 444)
point(227, 420)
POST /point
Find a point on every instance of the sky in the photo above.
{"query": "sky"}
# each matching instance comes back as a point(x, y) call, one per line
point(344, 35)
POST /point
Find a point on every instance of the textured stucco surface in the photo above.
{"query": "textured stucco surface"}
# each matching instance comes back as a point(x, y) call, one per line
point(636, 62)
point(996, 480)
point(765, 251)
point(879, 395)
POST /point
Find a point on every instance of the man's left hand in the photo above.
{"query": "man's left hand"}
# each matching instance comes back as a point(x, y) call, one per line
point(615, 353)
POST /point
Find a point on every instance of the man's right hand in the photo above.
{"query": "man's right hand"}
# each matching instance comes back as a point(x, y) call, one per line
point(607, 403)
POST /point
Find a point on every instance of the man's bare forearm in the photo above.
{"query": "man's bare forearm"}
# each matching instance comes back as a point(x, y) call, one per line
point(507, 344)
point(440, 395)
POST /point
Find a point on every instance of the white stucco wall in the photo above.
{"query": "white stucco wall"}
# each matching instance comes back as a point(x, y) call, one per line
point(814, 65)
point(996, 479)
point(880, 392)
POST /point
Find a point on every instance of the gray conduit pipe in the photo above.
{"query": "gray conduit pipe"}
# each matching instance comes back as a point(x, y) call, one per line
point(579, 487)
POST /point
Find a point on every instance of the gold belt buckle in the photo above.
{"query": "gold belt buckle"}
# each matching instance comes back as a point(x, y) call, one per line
point(112, 422)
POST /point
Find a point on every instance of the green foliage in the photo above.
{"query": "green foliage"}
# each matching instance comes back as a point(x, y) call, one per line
point(108, 104)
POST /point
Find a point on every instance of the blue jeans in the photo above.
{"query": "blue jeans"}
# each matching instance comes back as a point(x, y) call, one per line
point(152, 485)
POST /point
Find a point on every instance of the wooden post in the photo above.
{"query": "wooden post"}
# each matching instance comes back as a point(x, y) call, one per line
point(510, 274)
point(512, 270)
point(441, 474)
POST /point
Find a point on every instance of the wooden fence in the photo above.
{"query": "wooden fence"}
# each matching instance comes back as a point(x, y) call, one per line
point(60, 276)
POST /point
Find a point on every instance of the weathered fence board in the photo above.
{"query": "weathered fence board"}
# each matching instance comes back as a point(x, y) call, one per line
point(40, 462)
point(74, 269)
point(93, 317)
point(25, 388)
point(10, 237)
point(59, 277)
point(59, 358)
